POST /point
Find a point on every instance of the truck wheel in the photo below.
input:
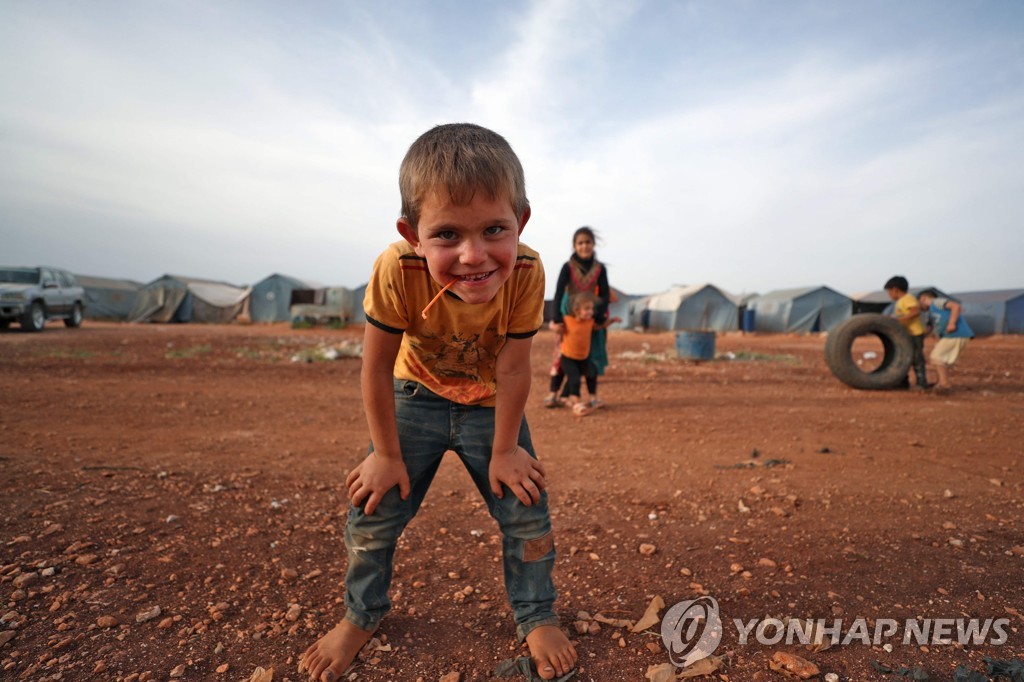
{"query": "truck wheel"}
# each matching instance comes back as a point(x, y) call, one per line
point(35, 318)
point(898, 352)
point(75, 320)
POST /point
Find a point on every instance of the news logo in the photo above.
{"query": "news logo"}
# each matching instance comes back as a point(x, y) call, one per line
point(691, 630)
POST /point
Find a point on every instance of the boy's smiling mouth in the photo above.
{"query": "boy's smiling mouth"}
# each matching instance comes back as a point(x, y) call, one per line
point(478, 277)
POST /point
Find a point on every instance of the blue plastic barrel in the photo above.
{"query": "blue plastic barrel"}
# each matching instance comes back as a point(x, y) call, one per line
point(748, 320)
point(695, 345)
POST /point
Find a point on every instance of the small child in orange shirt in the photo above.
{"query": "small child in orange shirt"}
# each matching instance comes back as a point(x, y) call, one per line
point(579, 325)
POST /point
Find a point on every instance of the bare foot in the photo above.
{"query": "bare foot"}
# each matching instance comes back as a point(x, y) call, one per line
point(332, 654)
point(551, 651)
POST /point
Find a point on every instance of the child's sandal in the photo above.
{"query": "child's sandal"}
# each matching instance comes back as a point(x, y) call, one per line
point(596, 403)
point(580, 410)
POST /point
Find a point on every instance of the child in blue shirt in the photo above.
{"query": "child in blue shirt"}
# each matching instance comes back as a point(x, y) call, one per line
point(952, 329)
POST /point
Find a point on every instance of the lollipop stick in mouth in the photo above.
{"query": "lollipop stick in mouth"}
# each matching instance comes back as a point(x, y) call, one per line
point(434, 300)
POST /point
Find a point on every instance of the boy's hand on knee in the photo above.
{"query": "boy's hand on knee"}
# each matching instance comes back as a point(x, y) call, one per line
point(374, 476)
point(523, 474)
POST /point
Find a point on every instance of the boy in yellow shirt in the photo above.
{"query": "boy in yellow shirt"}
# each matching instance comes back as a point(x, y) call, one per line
point(908, 312)
point(451, 313)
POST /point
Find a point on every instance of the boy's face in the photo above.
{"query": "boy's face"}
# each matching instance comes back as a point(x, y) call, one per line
point(585, 311)
point(894, 293)
point(924, 301)
point(475, 244)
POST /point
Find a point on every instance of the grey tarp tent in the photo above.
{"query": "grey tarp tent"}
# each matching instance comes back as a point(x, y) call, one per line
point(358, 313)
point(108, 299)
point(993, 312)
point(173, 298)
point(879, 301)
point(810, 309)
point(271, 297)
point(697, 307)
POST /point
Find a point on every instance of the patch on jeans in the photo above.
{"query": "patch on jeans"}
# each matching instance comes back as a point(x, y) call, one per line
point(535, 550)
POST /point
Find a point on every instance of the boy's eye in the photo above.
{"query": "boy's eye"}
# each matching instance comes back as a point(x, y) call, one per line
point(494, 229)
point(445, 235)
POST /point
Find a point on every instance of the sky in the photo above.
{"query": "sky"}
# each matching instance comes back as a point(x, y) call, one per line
point(754, 145)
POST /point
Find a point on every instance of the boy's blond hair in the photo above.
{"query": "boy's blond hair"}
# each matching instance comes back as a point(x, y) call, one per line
point(460, 159)
point(577, 301)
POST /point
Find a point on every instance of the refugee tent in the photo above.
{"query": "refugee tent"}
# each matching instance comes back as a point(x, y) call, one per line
point(879, 301)
point(993, 312)
point(810, 309)
point(358, 314)
point(173, 298)
point(622, 307)
point(272, 297)
point(108, 299)
point(697, 307)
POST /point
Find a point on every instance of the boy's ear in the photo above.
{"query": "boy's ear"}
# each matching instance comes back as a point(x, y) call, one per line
point(524, 219)
point(409, 233)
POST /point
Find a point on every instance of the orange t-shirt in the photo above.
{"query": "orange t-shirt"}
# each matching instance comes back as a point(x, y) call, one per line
point(576, 340)
point(454, 351)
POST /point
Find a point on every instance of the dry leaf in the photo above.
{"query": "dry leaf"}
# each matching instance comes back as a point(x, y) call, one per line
point(614, 622)
point(666, 672)
point(650, 616)
point(702, 668)
point(261, 675)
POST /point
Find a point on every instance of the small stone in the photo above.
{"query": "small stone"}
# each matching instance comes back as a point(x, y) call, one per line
point(582, 627)
point(647, 549)
point(178, 671)
point(86, 559)
point(6, 636)
point(294, 611)
point(788, 664)
point(99, 667)
point(454, 676)
point(147, 615)
point(289, 573)
point(26, 580)
point(766, 563)
point(831, 677)
point(223, 668)
point(107, 622)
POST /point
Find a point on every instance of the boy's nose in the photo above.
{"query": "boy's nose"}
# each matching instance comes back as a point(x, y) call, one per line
point(473, 252)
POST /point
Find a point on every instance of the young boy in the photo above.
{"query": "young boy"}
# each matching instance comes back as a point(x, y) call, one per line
point(909, 315)
point(952, 330)
point(451, 313)
point(575, 350)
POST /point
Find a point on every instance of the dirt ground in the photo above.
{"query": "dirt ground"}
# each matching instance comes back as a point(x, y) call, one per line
point(172, 508)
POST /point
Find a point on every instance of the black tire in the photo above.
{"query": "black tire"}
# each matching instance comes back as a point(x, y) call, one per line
point(75, 320)
point(897, 355)
point(34, 318)
point(4, 324)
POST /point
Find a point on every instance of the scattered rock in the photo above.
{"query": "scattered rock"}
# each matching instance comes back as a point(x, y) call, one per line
point(647, 549)
point(788, 664)
point(147, 615)
point(107, 622)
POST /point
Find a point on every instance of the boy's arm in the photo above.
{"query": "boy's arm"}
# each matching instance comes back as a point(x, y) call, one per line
point(510, 464)
point(954, 314)
point(607, 323)
point(383, 469)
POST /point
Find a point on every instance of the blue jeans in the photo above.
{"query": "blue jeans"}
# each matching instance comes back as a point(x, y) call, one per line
point(428, 426)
